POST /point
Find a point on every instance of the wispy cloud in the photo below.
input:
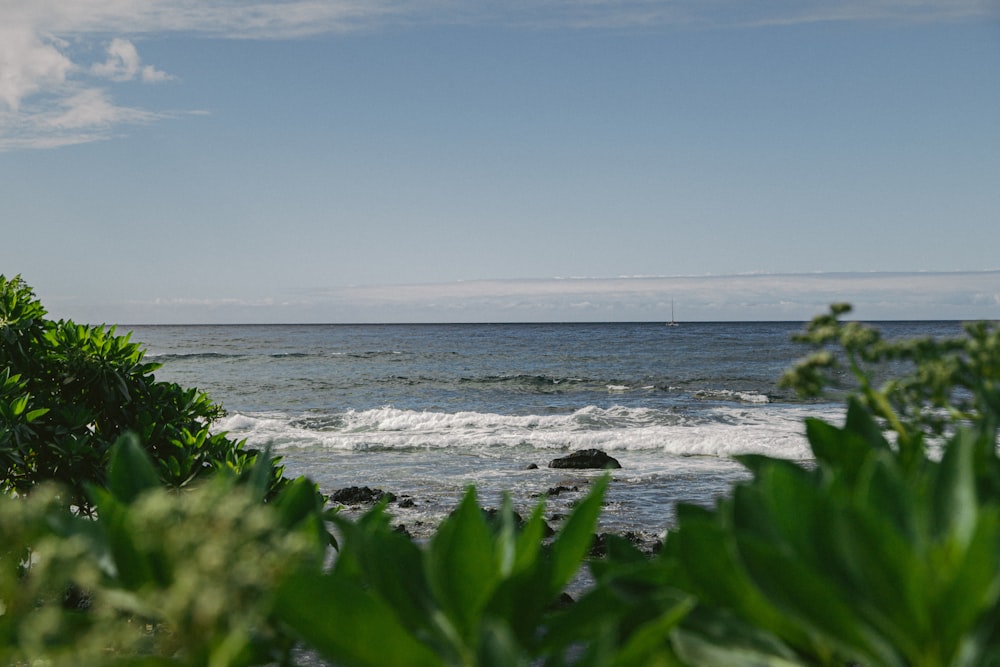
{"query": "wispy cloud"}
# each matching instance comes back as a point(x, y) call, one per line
point(960, 295)
point(124, 64)
point(47, 100)
point(41, 81)
point(765, 297)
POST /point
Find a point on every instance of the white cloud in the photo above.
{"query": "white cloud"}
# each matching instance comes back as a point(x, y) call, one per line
point(29, 64)
point(124, 64)
point(92, 108)
point(46, 99)
point(38, 76)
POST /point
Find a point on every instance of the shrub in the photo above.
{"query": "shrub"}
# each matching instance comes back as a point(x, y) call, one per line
point(887, 551)
point(68, 391)
point(159, 577)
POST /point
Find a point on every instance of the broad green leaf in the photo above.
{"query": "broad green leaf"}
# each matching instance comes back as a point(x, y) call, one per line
point(529, 542)
point(130, 471)
point(574, 539)
point(129, 564)
point(296, 501)
point(347, 624)
point(461, 565)
point(18, 405)
point(842, 452)
point(711, 569)
point(859, 421)
point(781, 506)
point(260, 473)
point(954, 490)
point(696, 651)
point(973, 589)
point(813, 601)
point(885, 576)
point(506, 539)
point(649, 644)
point(390, 565)
point(499, 648)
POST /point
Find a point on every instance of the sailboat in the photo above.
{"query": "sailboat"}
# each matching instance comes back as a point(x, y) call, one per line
point(672, 322)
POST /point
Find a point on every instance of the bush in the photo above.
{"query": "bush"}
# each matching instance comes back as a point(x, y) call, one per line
point(69, 391)
point(887, 552)
point(159, 578)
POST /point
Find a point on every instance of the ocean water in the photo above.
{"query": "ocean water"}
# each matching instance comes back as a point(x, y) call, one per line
point(423, 411)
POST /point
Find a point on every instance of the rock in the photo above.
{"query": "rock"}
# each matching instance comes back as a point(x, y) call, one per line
point(406, 502)
point(532, 466)
point(492, 516)
point(358, 495)
point(602, 543)
point(585, 458)
point(556, 490)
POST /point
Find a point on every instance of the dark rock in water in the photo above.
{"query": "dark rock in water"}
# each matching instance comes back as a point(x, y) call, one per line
point(532, 466)
point(492, 516)
point(359, 495)
point(556, 490)
point(406, 502)
point(604, 542)
point(564, 601)
point(585, 458)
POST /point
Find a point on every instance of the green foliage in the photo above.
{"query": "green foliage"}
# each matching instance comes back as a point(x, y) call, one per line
point(159, 578)
point(478, 593)
point(881, 554)
point(934, 385)
point(68, 391)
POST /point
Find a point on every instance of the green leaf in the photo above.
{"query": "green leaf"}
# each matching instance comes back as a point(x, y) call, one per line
point(839, 451)
point(260, 473)
point(498, 648)
point(860, 421)
point(18, 405)
point(954, 490)
point(974, 589)
point(297, 501)
point(130, 471)
point(346, 623)
point(711, 570)
point(529, 542)
point(649, 644)
point(391, 566)
point(574, 539)
point(696, 650)
point(461, 565)
point(132, 567)
point(35, 414)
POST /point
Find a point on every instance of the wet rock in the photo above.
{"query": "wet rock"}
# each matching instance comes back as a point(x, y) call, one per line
point(532, 466)
point(360, 495)
point(492, 516)
point(557, 490)
point(602, 543)
point(406, 502)
point(585, 458)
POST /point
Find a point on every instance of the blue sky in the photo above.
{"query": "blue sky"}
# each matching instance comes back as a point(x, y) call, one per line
point(221, 161)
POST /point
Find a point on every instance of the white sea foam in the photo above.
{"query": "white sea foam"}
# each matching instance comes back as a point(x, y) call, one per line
point(722, 432)
point(730, 395)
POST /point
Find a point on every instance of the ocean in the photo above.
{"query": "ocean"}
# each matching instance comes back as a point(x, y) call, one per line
point(423, 411)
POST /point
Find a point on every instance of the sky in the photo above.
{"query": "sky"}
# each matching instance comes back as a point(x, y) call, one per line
point(218, 161)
